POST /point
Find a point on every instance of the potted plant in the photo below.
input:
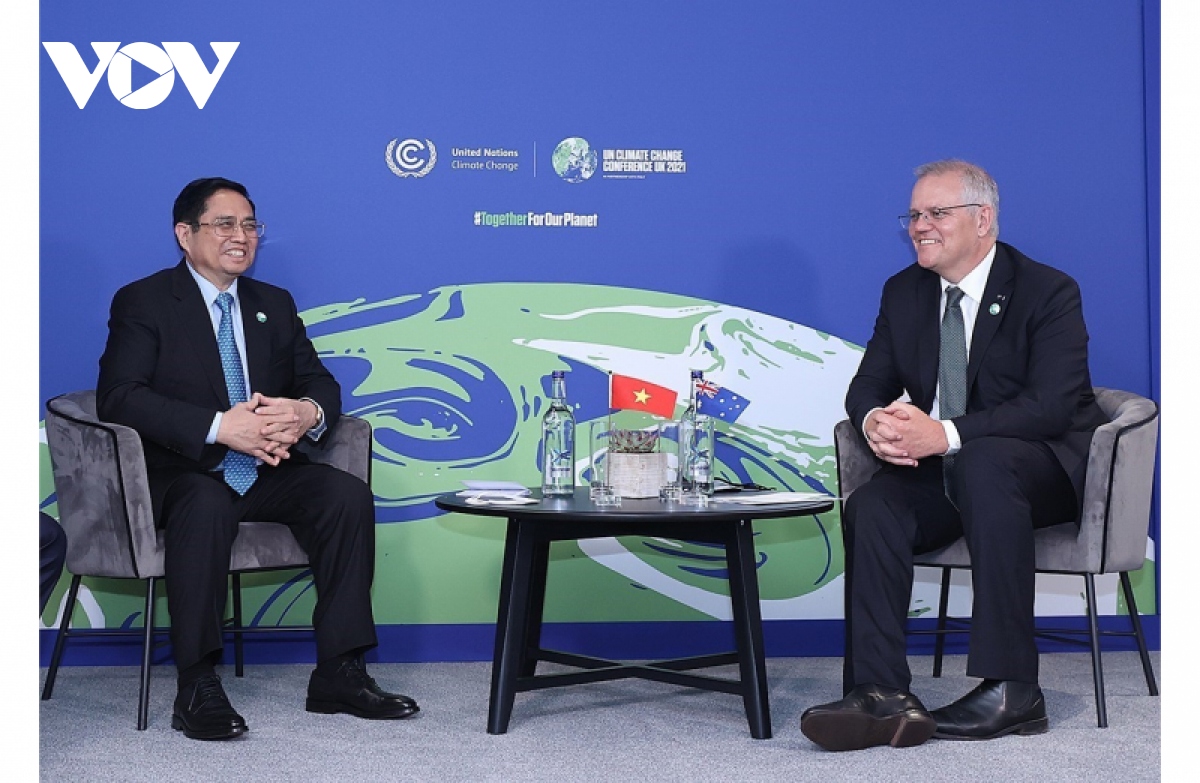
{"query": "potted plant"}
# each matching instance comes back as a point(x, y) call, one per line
point(636, 467)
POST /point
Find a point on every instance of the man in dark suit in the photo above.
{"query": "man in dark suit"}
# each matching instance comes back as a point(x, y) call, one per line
point(988, 442)
point(216, 373)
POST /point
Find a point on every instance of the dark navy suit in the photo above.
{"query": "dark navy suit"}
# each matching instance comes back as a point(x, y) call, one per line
point(1025, 438)
point(161, 375)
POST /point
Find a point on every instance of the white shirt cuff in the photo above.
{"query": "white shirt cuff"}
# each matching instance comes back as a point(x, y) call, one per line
point(211, 438)
point(952, 437)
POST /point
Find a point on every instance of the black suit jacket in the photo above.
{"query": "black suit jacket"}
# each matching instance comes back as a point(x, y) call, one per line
point(161, 371)
point(1027, 376)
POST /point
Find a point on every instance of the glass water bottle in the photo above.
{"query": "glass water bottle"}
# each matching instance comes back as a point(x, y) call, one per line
point(687, 435)
point(558, 442)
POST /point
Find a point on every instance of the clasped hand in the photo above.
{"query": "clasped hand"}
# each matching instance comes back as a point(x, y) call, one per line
point(266, 427)
point(902, 434)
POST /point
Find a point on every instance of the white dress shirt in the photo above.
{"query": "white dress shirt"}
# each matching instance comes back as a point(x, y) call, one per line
point(972, 287)
point(209, 293)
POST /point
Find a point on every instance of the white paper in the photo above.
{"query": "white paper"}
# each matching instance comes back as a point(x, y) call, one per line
point(503, 485)
point(771, 498)
point(499, 500)
point(501, 489)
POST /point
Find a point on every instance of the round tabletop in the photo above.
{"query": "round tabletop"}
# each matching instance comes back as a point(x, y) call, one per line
point(723, 507)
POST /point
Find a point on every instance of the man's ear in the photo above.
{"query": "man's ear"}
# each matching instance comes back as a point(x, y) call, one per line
point(984, 225)
point(183, 235)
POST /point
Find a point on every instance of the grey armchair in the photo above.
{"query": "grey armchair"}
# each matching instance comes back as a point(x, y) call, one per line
point(104, 506)
point(1111, 537)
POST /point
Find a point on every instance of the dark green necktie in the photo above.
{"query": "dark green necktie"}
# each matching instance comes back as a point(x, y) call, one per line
point(952, 371)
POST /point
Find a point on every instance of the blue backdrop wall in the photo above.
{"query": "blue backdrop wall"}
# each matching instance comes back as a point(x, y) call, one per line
point(431, 174)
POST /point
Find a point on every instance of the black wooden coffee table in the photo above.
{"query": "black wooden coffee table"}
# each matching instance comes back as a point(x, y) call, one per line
point(531, 529)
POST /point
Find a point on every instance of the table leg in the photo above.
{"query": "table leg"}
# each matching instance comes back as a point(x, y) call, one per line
point(537, 604)
point(747, 627)
point(511, 620)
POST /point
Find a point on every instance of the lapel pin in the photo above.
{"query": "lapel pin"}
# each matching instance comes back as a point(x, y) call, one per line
point(262, 317)
point(994, 309)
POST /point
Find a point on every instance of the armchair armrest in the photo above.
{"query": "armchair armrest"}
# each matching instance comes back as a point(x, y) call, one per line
point(1115, 518)
point(103, 496)
point(855, 460)
point(346, 446)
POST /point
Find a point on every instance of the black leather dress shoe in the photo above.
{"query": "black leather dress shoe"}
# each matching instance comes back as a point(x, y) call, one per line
point(203, 711)
point(869, 715)
point(350, 689)
point(994, 708)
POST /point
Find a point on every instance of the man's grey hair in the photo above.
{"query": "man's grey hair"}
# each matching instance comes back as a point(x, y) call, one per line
point(978, 187)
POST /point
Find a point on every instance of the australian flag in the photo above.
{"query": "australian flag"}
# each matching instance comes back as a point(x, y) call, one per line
point(720, 403)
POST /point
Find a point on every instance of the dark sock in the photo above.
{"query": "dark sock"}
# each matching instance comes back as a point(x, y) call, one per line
point(329, 666)
point(194, 672)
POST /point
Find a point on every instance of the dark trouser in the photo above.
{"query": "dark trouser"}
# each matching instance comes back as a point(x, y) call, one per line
point(332, 515)
point(1007, 488)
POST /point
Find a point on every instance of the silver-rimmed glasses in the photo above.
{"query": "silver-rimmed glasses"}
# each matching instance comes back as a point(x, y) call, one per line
point(933, 214)
point(227, 227)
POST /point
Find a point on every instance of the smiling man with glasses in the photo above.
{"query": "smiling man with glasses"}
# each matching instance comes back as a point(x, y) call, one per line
point(974, 393)
point(216, 373)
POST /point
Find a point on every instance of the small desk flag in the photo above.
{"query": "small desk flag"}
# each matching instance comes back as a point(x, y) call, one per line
point(720, 403)
point(637, 395)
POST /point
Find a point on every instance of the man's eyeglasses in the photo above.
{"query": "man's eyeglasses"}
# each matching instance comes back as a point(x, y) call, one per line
point(933, 215)
point(227, 227)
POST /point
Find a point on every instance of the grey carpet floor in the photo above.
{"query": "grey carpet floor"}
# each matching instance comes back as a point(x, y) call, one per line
point(629, 730)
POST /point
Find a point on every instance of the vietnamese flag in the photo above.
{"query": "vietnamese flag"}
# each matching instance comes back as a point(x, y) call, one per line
point(636, 395)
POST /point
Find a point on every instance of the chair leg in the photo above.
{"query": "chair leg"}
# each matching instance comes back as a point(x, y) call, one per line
point(239, 661)
point(60, 642)
point(1089, 583)
point(1136, 620)
point(147, 644)
point(939, 643)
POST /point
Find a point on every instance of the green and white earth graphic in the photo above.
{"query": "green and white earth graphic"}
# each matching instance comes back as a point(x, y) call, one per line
point(574, 160)
point(454, 382)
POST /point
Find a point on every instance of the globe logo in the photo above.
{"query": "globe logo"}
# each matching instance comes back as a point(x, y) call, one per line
point(574, 160)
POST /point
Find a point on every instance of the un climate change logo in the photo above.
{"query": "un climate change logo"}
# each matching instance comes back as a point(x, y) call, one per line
point(574, 160)
point(411, 157)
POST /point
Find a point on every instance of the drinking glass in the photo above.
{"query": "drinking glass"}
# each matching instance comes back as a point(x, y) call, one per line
point(598, 436)
point(668, 443)
point(605, 497)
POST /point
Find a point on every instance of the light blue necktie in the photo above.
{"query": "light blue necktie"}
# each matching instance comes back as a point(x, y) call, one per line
point(240, 469)
point(952, 373)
